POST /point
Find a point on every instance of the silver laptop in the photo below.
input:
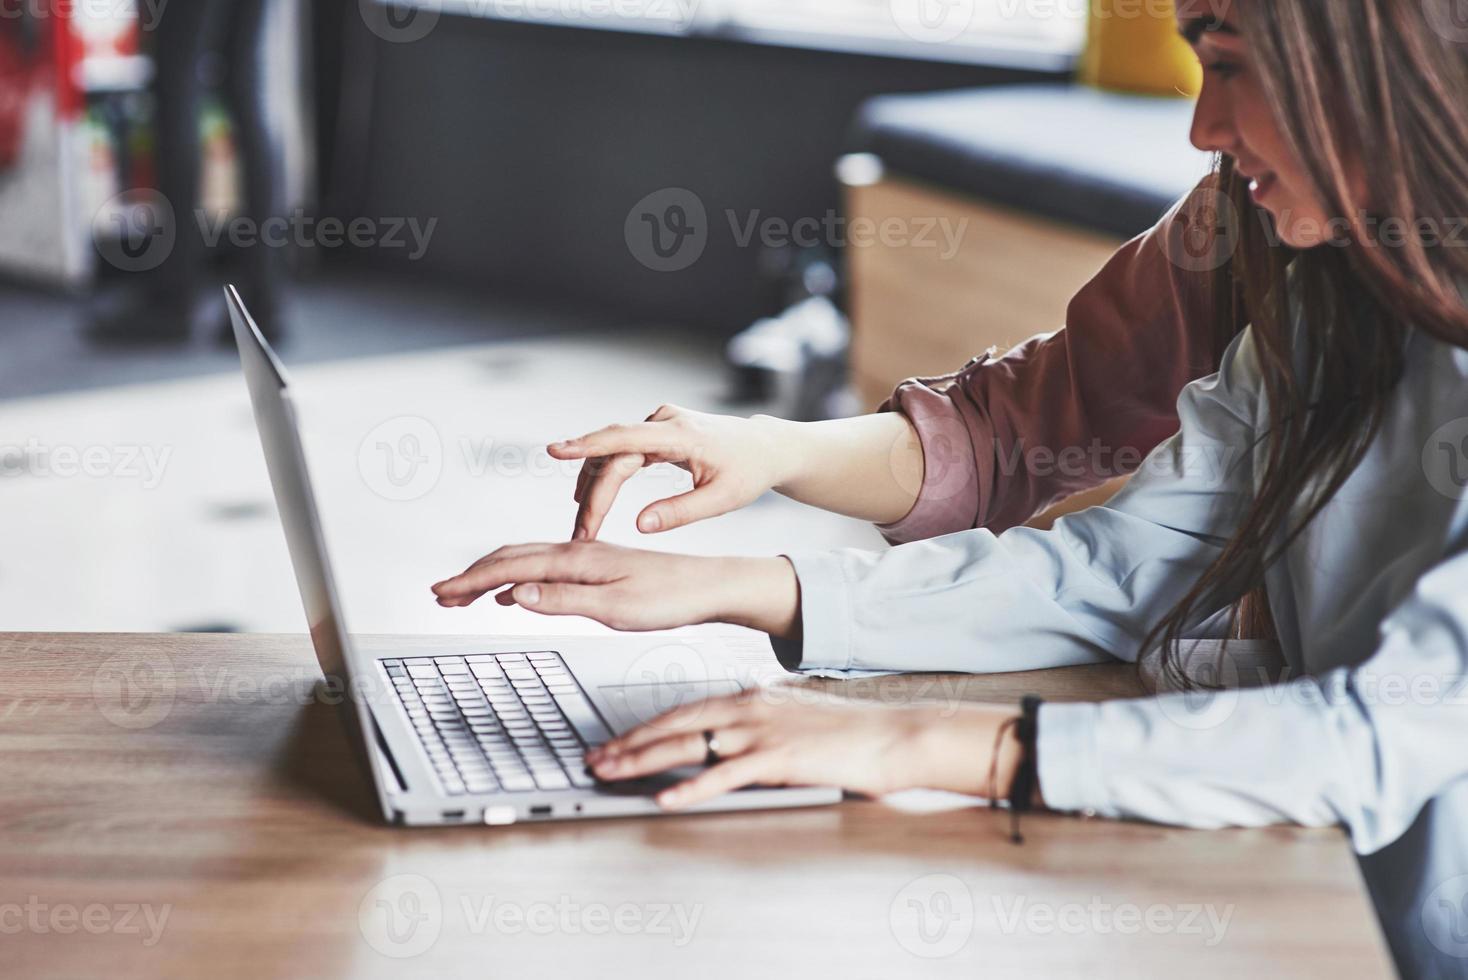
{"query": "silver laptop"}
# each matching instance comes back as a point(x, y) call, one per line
point(494, 733)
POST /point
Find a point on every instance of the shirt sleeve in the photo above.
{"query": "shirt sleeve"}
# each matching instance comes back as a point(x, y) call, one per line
point(1103, 389)
point(1355, 737)
point(1087, 591)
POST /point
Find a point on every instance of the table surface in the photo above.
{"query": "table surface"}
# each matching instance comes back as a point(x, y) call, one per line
point(182, 806)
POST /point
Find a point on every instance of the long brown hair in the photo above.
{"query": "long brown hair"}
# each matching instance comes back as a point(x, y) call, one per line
point(1370, 90)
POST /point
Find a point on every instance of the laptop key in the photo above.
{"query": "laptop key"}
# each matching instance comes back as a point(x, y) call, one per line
point(552, 780)
point(516, 784)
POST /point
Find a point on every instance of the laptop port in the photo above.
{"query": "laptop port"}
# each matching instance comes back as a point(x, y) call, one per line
point(453, 814)
point(543, 810)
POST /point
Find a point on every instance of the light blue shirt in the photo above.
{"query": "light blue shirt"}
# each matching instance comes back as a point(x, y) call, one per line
point(1371, 603)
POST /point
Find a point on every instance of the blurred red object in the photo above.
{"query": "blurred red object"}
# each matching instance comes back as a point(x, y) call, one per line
point(34, 52)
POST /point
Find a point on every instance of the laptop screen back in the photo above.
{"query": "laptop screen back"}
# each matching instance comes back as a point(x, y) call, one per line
point(286, 461)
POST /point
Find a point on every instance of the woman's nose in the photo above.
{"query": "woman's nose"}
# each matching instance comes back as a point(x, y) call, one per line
point(1213, 130)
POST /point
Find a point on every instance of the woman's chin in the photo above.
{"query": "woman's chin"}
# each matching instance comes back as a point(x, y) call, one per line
point(1299, 232)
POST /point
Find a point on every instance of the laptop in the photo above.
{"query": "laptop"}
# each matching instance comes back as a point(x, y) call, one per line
point(493, 733)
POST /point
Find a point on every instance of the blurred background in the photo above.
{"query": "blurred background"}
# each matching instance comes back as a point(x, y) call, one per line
point(476, 226)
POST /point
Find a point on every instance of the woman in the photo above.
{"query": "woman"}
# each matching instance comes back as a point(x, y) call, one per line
point(1321, 463)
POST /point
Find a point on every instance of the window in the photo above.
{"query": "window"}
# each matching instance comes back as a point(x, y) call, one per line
point(940, 30)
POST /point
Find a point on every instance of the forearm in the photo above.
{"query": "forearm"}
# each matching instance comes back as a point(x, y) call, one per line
point(869, 467)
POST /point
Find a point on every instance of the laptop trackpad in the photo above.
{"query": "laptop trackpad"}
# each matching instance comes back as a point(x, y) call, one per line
point(627, 706)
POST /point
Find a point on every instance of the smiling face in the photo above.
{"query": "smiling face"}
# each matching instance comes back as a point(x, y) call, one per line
point(1233, 117)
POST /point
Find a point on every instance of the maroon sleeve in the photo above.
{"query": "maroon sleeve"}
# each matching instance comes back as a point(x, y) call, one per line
point(1006, 437)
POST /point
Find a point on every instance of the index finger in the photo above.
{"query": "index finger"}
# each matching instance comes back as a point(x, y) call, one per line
point(656, 439)
point(549, 565)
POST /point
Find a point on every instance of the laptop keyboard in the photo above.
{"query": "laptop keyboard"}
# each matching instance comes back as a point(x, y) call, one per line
point(505, 722)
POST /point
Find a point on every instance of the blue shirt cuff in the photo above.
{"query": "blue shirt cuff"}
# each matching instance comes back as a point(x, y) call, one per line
point(824, 642)
point(1069, 763)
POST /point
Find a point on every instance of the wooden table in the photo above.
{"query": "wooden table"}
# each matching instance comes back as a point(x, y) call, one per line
point(180, 806)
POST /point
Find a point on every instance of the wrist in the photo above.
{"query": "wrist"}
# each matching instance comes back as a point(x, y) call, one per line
point(955, 748)
point(758, 593)
point(783, 447)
